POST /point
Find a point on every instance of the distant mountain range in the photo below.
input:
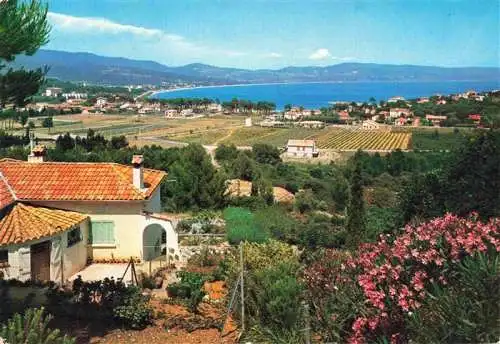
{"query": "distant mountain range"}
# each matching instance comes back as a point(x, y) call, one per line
point(69, 66)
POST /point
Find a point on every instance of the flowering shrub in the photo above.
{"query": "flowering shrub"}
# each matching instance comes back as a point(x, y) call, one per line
point(336, 300)
point(398, 274)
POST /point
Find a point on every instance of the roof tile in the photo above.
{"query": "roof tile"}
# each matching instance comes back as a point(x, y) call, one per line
point(24, 223)
point(74, 181)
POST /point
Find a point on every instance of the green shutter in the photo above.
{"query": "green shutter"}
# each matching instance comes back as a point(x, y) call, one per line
point(102, 232)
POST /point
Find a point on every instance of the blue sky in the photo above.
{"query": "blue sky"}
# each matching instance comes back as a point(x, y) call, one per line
point(278, 33)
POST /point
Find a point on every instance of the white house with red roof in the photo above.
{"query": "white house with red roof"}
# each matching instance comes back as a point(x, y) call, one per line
point(56, 216)
point(400, 112)
point(475, 118)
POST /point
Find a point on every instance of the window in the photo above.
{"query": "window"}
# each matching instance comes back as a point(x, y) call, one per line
point(74, 236)
point(4, 256)
point(102, 233)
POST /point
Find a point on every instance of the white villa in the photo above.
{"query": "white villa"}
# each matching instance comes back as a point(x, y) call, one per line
point(53, 91)
point(55, 216)
point(396, 99)
point(301, 148)
point(101, 101)
point(75, 95)
point(370, 125)
point(171, 113)
point(400, 112)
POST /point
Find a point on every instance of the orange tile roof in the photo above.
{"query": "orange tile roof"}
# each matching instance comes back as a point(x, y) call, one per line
point(243, 188)
point(24, 223)
point(6, 195)
point(76, 181)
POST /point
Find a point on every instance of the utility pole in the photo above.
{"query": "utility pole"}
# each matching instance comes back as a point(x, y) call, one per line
point(242, 289)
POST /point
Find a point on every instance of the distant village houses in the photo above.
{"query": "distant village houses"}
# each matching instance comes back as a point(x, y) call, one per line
point(475, 118)
point(171, 113)
point(400, 112)
point(435, 119)
point(370, 125)
point(75, 95)
point(423, 100)
point(311, 124)
point(396, 99)
point(53, 92)
point(101, 101)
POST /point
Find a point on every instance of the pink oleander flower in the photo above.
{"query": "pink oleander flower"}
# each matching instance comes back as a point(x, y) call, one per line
point(393, 273)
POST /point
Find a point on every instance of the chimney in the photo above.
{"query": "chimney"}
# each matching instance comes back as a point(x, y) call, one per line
point(38, 154)
point(137, 174)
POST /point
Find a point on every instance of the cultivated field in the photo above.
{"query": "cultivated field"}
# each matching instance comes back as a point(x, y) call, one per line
point(340, 139)
point(329, 138)
point(154, 129)
point(272, 136)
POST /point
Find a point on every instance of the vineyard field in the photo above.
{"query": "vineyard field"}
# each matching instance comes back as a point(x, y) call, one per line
point(271, 136)
point(366, 140)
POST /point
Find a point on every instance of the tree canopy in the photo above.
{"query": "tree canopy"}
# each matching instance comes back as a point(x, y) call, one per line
point(23, 30)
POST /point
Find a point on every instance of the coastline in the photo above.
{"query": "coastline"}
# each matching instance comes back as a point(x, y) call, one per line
point(170, 90)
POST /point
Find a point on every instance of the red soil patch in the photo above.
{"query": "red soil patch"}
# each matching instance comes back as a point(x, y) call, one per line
point(215, 290)
point(160, 333)
point(157, 335)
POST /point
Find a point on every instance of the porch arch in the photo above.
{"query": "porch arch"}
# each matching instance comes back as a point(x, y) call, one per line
point(159, 238)
point(153, 240)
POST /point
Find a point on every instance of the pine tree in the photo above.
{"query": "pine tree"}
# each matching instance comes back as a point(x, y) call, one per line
point(356, 207)
point(32, 328)
point(23, 30)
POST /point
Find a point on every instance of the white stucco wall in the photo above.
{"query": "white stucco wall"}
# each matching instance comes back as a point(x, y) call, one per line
point(295, 151)
point(64, 261)
point(75, 257)
point(128, 222)
point(20, 263)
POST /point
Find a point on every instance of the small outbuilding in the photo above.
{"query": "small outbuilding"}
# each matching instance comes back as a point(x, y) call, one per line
point(301, 148)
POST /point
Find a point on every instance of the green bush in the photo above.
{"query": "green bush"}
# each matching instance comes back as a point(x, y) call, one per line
point(147, 282)
point(278, 295)
point(188, 288)
point(225, 153)
point(220, 272)
point(31, 328)
point(467, 310)
point(380, 221)
point(277, 222)
point(321, 234)
point(272, 290)
point(134, 312)
point(241, 226)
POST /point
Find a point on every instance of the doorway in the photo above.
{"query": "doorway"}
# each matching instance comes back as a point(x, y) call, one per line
point(40, 261)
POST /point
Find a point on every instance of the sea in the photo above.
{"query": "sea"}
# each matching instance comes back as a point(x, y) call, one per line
point(316, 95)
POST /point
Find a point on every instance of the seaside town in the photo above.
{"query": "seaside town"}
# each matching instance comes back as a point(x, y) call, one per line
point(132, 213)
point(436, 110)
